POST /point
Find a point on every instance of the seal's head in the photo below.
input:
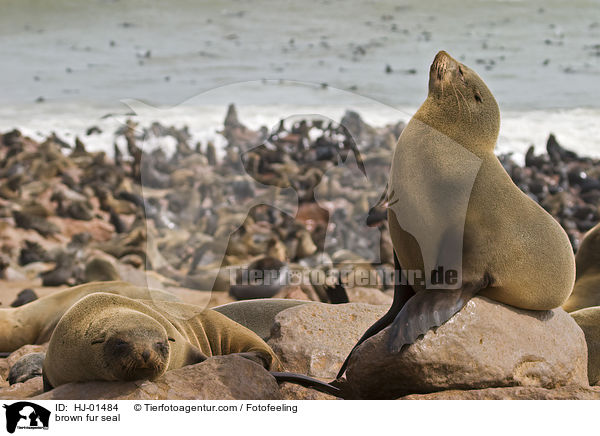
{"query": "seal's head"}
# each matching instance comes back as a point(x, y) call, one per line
point(460, 105)
point(134, 353)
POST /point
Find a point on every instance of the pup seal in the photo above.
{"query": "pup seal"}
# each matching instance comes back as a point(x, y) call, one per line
point(586, 292)
point(110, 337)
point(453, 206)
point(33, 323)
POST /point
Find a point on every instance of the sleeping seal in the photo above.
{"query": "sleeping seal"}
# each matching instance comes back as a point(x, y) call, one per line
point(111, 337)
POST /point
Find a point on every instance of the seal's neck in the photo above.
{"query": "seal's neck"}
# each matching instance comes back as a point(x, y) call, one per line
point(477, 136)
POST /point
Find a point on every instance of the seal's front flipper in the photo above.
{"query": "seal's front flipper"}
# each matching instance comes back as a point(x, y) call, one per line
point(257, 357)
point(402, 294)
point(193, 355)
point(428, 309)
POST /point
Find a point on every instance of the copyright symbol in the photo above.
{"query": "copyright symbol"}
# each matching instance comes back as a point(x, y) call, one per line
point(137, 407)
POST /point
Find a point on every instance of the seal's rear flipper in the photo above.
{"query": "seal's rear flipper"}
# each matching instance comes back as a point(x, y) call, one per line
point(428, 309)
point(308, 382)
point(402, 294)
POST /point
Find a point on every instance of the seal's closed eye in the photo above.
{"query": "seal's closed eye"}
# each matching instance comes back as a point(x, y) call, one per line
point(98, 341)
point(171, 339)
point(161, 347)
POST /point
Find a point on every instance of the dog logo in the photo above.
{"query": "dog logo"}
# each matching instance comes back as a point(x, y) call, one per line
point(26, 415)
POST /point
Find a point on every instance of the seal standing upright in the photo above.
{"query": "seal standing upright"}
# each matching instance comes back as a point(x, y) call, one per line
point(453, 206)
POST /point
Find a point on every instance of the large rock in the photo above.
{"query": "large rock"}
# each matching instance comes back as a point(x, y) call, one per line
point(99, 390)
point(314, 339)
point(571, 392)
point(28, 389)
point(369, 296)
point(291, 391)
point(487, 344)
point(4, 369)
point(218, 378)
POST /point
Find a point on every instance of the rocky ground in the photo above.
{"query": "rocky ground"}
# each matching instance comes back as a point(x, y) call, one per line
point(487, 351)
point(302, 198)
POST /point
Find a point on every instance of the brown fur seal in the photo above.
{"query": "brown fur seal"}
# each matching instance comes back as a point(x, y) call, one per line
point(110, 337)
point(452, 205)
point(33, 323)
point(98, 269)
point(257, 315)
point(589, 321)
point(586, 292)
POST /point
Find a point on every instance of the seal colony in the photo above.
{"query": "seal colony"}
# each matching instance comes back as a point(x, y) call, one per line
point(175, 230)
point(70, 218)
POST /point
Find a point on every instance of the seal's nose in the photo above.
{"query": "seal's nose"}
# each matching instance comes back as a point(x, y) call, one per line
point(441, 66)
point(442, 57)
point(440, 54)
point(146, 355)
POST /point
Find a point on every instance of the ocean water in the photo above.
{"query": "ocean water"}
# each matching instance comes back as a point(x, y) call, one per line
point(66, 63)
point(575, 129)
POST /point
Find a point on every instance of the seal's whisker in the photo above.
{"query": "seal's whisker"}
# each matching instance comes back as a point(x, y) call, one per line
point(457, 99)
point(466, 104)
